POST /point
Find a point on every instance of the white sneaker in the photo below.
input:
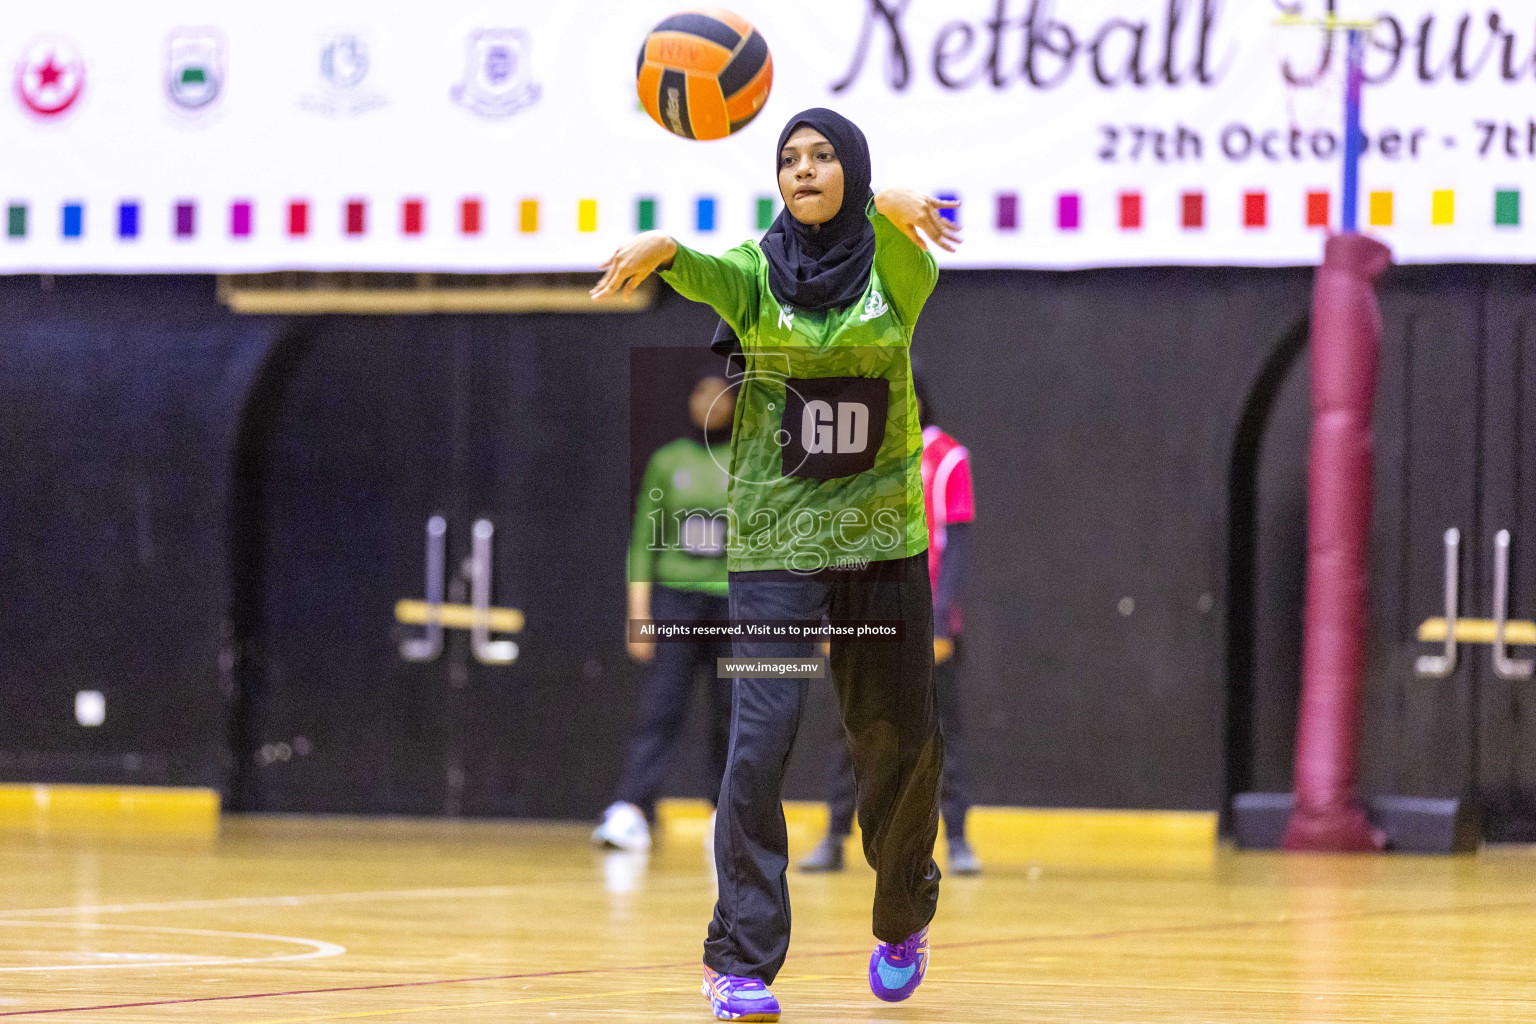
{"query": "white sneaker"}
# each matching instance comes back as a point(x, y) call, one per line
point(624, 827)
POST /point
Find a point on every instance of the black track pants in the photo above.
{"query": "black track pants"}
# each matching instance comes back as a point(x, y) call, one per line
point(885, 691)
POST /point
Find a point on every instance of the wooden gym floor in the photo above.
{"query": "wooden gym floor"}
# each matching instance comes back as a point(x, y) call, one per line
point(291, 919)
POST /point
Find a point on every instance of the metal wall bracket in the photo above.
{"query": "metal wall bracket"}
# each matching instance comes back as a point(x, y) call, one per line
point(1504, 666)
point(1438, 666)
point(487, 651)
point(429, 646)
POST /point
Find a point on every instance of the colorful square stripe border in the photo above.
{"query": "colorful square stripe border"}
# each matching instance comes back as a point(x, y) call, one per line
point(1192, 210)
point(240, 213)
point(1318, 206)
point(470, 211)
point(1129, 211)
point(1255, 209)
point(413, 221)
point(413, 217)
point(1007, 211)
point(1506, 208)
point(1069, 211)
point(127, 219)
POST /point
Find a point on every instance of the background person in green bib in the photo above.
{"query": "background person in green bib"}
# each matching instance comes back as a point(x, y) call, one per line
point(676, 571)
point(826, 518)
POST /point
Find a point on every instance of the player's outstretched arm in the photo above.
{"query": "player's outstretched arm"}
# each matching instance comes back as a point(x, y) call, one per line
point(633, 262)
point(909, 271)
point(727, 282)
point(912, 211)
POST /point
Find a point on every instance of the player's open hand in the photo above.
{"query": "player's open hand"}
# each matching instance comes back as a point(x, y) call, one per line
point(633, 262)
point(912, 211)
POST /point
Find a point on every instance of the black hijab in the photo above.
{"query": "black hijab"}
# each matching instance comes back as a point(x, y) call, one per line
point(826, 267)
point(817, 268)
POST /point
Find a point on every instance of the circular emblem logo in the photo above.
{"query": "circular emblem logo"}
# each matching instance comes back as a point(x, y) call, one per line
point(195, 71)
point(50, 77)
point(344, 61)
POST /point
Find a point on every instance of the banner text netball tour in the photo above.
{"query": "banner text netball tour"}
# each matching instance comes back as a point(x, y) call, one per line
point(688, 630)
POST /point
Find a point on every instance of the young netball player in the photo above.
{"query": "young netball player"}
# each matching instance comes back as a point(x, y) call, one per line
point(826, 512)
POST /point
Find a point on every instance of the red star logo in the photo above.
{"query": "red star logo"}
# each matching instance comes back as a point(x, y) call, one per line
point(49, 74)
point(49, 78)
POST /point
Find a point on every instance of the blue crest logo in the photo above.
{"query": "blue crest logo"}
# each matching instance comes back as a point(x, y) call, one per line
point(497, 81)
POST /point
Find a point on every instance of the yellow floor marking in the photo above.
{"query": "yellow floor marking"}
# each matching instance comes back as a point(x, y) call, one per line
point(74, 808)
point(1018, 836)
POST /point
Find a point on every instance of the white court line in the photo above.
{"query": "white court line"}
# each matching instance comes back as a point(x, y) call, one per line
point(266, 901)
point(330, 897)
point(317, 950)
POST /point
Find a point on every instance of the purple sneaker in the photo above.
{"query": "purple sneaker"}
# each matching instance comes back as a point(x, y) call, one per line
point(737, 998)
point(895, 970)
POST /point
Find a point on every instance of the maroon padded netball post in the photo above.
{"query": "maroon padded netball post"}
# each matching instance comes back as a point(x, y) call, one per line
point(1346, 334)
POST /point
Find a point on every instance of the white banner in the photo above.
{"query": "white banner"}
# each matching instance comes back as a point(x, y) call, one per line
point(491, 137)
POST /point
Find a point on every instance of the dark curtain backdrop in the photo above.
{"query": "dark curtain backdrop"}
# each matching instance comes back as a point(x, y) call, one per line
point(1104, 411)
